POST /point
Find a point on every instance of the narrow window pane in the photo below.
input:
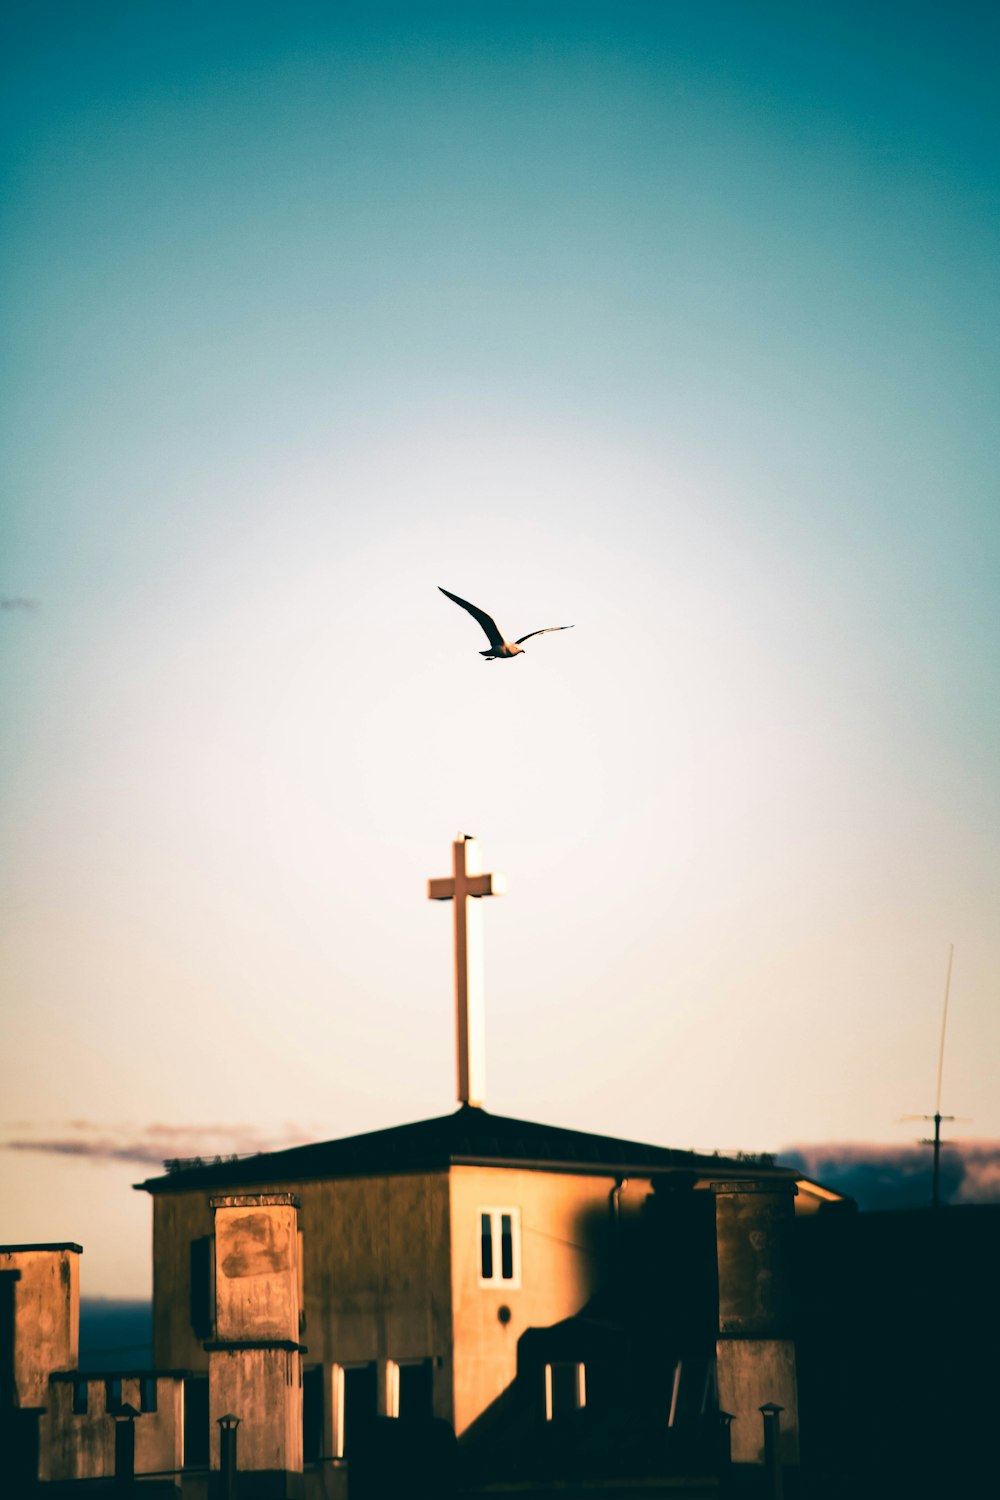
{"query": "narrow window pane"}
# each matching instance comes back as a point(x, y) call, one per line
point(196, 1433)
point(360, 1408)
point(506, 1247)
point(416, 1391)
point(312, 1413)
point(202, 1288)
point(565, 1390)
point(486, 1231)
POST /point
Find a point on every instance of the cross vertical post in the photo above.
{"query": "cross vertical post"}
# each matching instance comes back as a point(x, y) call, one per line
point(465, 887)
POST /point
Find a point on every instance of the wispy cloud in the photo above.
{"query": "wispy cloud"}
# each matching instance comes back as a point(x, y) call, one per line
point(148, 1145)
point(900, 1176)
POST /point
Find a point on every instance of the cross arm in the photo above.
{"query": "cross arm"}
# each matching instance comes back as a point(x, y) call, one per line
point(472, 885)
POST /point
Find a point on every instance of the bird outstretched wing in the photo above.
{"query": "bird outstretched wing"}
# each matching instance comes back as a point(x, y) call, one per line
point(522, 638)
point(486, 621)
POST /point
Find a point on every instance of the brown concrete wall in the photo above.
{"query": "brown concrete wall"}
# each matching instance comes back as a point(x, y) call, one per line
point(564, 1243)
point(750, 1373)
point(755, 1353)
point(386, 1259)
point(263, 1387)
point(77, 1447)
point(257, 1267)
point(754, 1245)
point(82, 1446)
point(159, 1435)
point(46, 1317)
point(177, 1220)
point(376, 1273)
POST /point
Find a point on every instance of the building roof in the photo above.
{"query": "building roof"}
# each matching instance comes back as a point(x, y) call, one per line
point(470, 1137)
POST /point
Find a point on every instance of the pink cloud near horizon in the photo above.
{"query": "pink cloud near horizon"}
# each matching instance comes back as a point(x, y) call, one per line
point(886, 1176)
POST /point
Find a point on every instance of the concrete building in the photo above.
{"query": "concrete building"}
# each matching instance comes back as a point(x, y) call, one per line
point(439, 1270)
point(548, 1297)
point(424, 1252)
point(59, 1425)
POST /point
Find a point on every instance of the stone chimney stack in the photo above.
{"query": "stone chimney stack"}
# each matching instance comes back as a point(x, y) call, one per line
point(255, 1360)
point(39, 1336)
point(755, 1349)
point(39, 1319)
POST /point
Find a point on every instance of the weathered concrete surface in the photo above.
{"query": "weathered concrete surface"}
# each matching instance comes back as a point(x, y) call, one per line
point(256, 1267)
point(82, 1445)
point(159, 1435)
point(255, 1363)
point(390, 1271)
point(750, 1373)
point(263, 1387)
point(755, 1353)
point(44, 1283)
point(753, 1232)
point(376, 1274)
point(178, 1221)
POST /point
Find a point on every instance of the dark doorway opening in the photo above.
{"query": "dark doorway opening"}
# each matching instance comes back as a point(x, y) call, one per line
point(196, 1430)
point(416, 1391)
point(360, 1406)
point(312, 1414)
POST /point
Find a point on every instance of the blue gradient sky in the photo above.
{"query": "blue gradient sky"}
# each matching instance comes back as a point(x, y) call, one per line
point(676, 321)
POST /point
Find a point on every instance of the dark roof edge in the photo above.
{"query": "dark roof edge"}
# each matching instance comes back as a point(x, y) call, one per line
point(181, 1182)
point(437, 1144)
point(708, 1166)
point(48, 1245)
point(703, 1166)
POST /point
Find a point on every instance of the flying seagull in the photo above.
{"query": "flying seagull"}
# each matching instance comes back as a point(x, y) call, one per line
point(498, 646)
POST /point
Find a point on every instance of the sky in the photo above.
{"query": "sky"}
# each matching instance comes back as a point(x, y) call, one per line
point(676, 322)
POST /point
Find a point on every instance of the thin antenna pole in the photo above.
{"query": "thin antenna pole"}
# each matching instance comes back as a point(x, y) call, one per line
point(935, 1192)
point(944, 1023)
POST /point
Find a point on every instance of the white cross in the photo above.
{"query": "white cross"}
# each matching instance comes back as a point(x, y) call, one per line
point(465, 886)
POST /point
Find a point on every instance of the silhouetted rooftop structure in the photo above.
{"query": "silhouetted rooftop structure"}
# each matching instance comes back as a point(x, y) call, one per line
point(469, 1137)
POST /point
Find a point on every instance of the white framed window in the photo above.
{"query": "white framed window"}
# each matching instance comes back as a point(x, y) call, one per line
point(500, 1247)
